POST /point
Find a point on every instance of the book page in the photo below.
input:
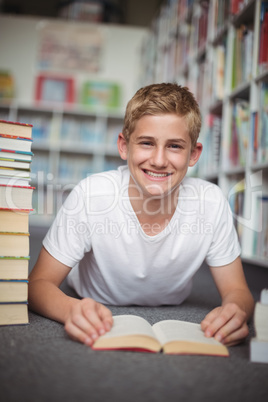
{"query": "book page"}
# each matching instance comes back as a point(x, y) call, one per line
point(125, 325)
point(174, 330)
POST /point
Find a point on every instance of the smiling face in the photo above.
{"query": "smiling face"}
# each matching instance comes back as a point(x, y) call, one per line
point(159, 152)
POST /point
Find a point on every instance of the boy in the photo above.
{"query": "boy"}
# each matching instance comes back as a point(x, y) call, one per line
point(138, 235)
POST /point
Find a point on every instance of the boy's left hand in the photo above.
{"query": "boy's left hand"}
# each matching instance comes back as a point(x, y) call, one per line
point(228, 324)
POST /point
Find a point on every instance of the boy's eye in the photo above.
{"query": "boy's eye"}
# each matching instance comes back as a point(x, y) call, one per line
point(175, 146)
point(146, 143)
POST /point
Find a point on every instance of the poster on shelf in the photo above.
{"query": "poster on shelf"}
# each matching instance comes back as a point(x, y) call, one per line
point(101, 94)
point(73, 47)
point(53, 88)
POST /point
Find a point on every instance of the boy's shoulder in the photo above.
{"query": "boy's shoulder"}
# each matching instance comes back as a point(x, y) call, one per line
point(201, 189)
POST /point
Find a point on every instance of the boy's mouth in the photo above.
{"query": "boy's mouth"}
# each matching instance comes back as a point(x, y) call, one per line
point(154, 174)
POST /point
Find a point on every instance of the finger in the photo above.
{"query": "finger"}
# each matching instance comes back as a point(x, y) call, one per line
point(78, 320)
point(209, 318)
point(229, 320)
point(236, 336)
point(213, 328)
point(236, 323)
point(78, 334)
point(91, 310)
point(219, 321)
point(106, 316)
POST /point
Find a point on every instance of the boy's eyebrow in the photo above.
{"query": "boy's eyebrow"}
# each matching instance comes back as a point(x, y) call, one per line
point(148, 137)
point(145, 137)
point(177, 140)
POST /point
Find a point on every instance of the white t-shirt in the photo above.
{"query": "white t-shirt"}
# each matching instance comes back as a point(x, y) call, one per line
point(97, 233)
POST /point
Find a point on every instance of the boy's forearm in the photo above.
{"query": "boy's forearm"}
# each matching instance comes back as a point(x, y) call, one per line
point(243, 298)
point(48, 300)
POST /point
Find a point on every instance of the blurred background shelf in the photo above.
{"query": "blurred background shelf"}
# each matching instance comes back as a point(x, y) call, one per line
point(218, 48)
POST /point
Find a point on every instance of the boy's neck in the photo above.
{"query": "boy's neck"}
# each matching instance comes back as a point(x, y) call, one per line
point(153, 209)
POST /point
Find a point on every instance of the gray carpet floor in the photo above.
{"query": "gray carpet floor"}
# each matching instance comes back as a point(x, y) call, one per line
point(39, 362)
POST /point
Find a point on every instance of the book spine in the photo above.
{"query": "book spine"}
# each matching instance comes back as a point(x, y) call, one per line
point(15, 137)
point(7, 185)
point(15, 152)
point(263, 50)
point(16, 123)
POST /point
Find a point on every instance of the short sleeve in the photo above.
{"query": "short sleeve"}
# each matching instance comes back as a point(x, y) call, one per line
point(225, 247)
point(68, 238)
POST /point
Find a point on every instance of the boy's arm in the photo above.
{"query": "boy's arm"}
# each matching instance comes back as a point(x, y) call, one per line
point(84, 319)
point(228, 323)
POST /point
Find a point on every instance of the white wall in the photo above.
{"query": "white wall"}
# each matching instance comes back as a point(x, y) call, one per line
point(19, 40)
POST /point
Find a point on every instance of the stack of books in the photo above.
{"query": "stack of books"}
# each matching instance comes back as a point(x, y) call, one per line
point(15, 205)
point(259, 344)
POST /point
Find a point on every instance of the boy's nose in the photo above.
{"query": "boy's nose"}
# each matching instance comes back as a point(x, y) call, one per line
point(159, 157)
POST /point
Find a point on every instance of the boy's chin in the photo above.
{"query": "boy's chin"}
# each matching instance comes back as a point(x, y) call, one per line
point(159, 194)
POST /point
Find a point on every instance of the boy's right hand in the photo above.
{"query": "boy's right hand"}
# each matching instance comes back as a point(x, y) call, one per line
point(88, 320)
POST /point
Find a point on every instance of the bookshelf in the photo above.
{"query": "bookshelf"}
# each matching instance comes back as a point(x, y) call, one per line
point(75, 131)
point(68, 145)
point(219, 49)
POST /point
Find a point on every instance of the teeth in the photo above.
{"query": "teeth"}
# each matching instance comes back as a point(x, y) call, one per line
point(157, 174)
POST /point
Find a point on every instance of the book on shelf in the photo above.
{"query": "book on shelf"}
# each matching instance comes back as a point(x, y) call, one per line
point(130, 332)
point(74, 171)
point(262, 139)
point(220, 10)
point(236, 6)
point(41, 127)
point(91, 11)
point(203, 24)
point(15, 205)
point(260, 243)
point(263, 46)
point(239, 132)
point(219, 62)
point(259, 343)
point(242, 55)
point(7, 87)
point(254, 135)
point(209, 162)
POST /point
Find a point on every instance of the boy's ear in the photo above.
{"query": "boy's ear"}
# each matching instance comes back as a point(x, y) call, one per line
point(195, 154)
point(122, 146)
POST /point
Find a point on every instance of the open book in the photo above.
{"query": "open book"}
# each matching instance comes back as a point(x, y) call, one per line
point(131, 332)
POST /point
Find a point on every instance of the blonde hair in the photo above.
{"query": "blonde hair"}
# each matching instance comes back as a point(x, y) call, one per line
point(163, 98)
